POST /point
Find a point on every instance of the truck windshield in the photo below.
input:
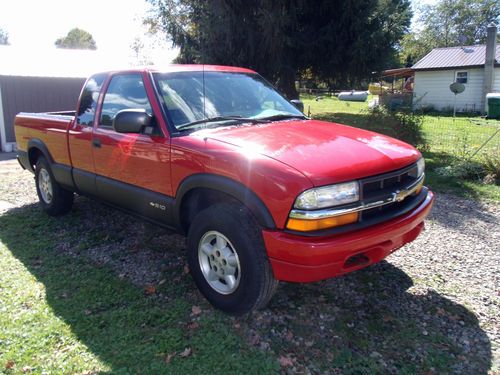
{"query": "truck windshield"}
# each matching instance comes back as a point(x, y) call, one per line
point(197, 99)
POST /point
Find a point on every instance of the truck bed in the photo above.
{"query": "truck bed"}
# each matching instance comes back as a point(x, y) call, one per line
point(50, 128)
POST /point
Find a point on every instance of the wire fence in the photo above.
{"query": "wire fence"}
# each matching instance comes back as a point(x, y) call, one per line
point(464, 136)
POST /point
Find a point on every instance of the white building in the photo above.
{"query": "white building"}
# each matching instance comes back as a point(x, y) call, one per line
point(477, 67)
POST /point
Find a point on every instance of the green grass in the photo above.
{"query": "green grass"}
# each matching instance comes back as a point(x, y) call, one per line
point(449, 141)
point(63, 311)
point(61, 314)
point(461, 136)
point(465, 188)
point(331, 104)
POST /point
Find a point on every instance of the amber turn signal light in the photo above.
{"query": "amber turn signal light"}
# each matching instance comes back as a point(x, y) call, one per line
point(303, 225)
point(419, 187)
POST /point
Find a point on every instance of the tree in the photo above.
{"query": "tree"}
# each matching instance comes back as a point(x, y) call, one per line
point(455, 22)
point(141, 51)
point(4, 37)
point(450, 23)
point(76, 39)
point(340, 42)
point(413, 47)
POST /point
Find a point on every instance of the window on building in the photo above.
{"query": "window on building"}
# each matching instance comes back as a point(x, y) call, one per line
point(461, 77)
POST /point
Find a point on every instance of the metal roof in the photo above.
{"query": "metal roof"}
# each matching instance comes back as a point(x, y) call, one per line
point(453, 57)
point(399, 72)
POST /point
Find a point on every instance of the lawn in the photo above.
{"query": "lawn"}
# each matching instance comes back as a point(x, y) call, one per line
point(448, 140)
point(98, 292)
point(61, 314)
point(65, 309)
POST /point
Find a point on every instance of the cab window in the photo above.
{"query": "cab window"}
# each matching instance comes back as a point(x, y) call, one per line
point(88, 100)
point(124, 92)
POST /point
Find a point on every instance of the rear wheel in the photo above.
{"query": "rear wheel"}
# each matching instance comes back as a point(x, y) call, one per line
point(228, 260)
point(53, 198)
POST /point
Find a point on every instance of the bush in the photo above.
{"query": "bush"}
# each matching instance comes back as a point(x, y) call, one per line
point(428, 109)
point(491, 165)
point(464, 170)
point(486, 169)
point(404, 124)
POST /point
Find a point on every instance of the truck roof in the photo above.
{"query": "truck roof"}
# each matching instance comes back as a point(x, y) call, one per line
point(184, 68)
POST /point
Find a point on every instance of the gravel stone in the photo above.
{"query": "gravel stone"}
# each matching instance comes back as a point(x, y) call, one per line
point(445, 286)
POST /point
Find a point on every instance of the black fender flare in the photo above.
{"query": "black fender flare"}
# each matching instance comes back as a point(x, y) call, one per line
point(228, 186)
point(62, 173)
point(38, 144)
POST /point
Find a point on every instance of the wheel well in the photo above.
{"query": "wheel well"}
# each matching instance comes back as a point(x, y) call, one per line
point(33, 155)
point(198, 199)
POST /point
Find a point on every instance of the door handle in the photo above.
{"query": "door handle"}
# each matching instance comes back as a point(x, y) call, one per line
point(96, 142)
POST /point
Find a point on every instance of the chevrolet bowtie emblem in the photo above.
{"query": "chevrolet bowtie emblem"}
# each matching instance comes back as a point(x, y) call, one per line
point(399, 195)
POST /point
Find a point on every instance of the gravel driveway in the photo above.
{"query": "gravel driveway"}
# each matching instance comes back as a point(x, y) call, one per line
point(434, 301)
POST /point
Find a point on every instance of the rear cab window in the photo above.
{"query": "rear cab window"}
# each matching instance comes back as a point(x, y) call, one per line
point(88, 100)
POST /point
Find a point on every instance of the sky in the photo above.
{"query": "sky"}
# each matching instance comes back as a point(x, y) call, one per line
point(35, 25)
point(113, 23)
point(416, 4)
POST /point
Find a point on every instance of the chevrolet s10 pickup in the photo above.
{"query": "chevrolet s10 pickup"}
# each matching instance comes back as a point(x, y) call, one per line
point(262, 192)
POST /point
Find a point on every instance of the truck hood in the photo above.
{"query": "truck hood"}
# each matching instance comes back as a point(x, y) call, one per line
point(324, 152)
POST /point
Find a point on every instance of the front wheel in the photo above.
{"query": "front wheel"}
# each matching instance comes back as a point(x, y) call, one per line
point(228, 260)
point(53, 198)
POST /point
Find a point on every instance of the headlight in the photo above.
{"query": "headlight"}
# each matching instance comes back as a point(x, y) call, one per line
point(328, 196)
point(420, 167)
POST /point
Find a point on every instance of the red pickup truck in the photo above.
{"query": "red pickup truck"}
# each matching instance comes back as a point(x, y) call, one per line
point(262, 192)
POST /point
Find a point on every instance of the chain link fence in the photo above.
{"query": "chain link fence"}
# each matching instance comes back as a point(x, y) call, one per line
point(466, 137)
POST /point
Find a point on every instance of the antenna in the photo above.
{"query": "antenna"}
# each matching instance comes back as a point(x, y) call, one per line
point(203, 71)
point(202, 45)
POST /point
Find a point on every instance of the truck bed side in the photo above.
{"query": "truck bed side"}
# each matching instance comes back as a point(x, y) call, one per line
point(49, 128)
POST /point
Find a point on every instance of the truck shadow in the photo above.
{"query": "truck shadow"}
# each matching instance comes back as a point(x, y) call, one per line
point(366, 322)
point(456, 213)
point(369, 322)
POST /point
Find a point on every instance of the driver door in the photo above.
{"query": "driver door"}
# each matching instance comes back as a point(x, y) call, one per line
point(132, 170)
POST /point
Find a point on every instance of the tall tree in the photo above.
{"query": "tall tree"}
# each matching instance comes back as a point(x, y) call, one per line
point(339, 41)
point(4, 37)
point(450, 23)
point(76, 39)
point(414, 46)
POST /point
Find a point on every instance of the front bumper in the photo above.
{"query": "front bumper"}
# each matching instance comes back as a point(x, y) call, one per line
point(298, 258)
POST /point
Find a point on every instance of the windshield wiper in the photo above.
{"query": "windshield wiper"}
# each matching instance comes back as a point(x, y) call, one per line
point(220, 119)
point(282, 116)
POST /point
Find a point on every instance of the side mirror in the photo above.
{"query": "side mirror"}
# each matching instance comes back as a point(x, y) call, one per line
point(298, 104)
point(132, 121)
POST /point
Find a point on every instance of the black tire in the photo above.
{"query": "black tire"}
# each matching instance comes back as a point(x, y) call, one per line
point(60, 200)
point(256, 283)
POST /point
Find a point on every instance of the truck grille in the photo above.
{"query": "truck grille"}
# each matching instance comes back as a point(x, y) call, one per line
point(380, 187)
point(382, 198)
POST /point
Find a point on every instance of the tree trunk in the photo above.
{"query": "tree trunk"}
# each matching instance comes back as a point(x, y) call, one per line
point(286, 83)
